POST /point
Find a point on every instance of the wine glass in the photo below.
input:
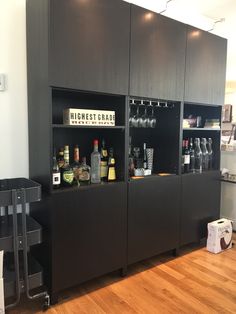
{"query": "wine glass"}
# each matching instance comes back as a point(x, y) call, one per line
point(143, 120)
point(131, 115)
point(152, 119)
point(135, 120)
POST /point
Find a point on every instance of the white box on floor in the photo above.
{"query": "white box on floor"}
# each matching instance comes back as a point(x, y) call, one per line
point(2, 307)
point(1, 264)
point(219, 235)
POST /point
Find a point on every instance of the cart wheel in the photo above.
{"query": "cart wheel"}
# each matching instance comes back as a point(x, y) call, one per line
point(46, 304)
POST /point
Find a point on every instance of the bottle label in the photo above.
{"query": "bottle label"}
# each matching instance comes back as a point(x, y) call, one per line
point(56, 178)
point(103, 169)
point(68, 176)
point(111, 174)
point(104, 152)
point(186, 159)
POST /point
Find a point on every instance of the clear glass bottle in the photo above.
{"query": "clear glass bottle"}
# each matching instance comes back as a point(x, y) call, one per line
point(198, 156)
point(205, 158)
point(131, 159)
point(145, 156)
point(192, 156)
point(56, 175)
point(95, 164)
point(182, 157)
point(104, 162)
point(84, 173)
point(210, 153)
point(67, 173)
point(111, 166)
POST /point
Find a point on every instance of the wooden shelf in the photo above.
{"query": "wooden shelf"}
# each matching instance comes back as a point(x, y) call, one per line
point(84, 187)
point(63, 126)
point(201, 129)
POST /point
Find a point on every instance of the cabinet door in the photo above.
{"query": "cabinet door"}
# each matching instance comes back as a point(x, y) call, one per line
point(157, 58)
point(89, 233)
point(90, 45)
point(200, 204)
point(205, 67)
point(153, 217)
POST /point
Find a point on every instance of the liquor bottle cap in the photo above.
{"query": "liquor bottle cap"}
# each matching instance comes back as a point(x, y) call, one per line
point(95, 142)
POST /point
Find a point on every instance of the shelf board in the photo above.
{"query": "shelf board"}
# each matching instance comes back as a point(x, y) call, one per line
point(133, 179)
point(63, 126)
point(201, 129)
point(84, 187)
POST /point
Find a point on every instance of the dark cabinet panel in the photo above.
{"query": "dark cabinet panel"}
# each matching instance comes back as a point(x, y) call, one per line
point(157, 57)
point(153, 216)
point(90, 45)
point(205, 67)
point(200, 204)
point(88, 233)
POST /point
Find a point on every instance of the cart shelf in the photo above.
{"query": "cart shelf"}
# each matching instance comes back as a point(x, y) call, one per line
point(35, 277)
point(34, 232)
point(32, 190)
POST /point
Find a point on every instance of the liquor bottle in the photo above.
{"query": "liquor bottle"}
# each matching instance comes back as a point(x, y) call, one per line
point(84, 173)
point(144, 155)
point(111, 166)
point(56, 175)
point(67, 174)
point(182, 159)
point(192, 156)
point(186, 158)
point(198, 156)
point(131, 159)
point(205, 158)
point(210, 153)
point(104, 162)
point(60, 158)
point(75, 165)
point(95, 164)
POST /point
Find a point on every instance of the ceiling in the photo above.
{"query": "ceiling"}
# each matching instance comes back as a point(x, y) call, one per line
point(219, 15)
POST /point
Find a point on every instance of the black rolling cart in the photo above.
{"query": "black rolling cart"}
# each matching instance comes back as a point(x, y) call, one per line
point(18, 232)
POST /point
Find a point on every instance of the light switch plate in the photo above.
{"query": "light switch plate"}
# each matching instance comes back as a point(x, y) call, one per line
point(2, 82)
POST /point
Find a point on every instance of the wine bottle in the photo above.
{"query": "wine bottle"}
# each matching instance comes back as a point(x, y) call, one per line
point(104, 162)
point(60, 158)
point(56, 175)
point(186, 158)
point(198, 156)
point(95, 164)
point(131, 158)
point(192, 156)
point(75, 165)
point(66, 171)
point(111, 166)
point(182, 159)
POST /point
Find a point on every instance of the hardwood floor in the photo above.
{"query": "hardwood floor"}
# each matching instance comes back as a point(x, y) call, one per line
point(195, 282)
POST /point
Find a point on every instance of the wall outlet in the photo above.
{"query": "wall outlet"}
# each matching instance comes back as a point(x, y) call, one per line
point(2, 82)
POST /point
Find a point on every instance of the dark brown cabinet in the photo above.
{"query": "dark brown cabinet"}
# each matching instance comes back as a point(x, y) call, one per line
point(200, 204)
point(89, 45)
point(157, 56)
point(205, 67)
point(153, 216)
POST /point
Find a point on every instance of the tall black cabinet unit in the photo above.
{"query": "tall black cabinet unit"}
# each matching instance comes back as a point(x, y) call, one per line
point(100, 54)
point(78, 57)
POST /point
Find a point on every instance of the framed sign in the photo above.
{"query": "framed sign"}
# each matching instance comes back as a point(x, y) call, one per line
point(227, 113)
point(88, 117)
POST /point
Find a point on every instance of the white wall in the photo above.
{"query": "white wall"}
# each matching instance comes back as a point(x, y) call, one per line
point(13, 101)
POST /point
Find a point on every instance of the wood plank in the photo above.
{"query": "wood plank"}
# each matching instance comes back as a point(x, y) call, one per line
point(196, 282)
